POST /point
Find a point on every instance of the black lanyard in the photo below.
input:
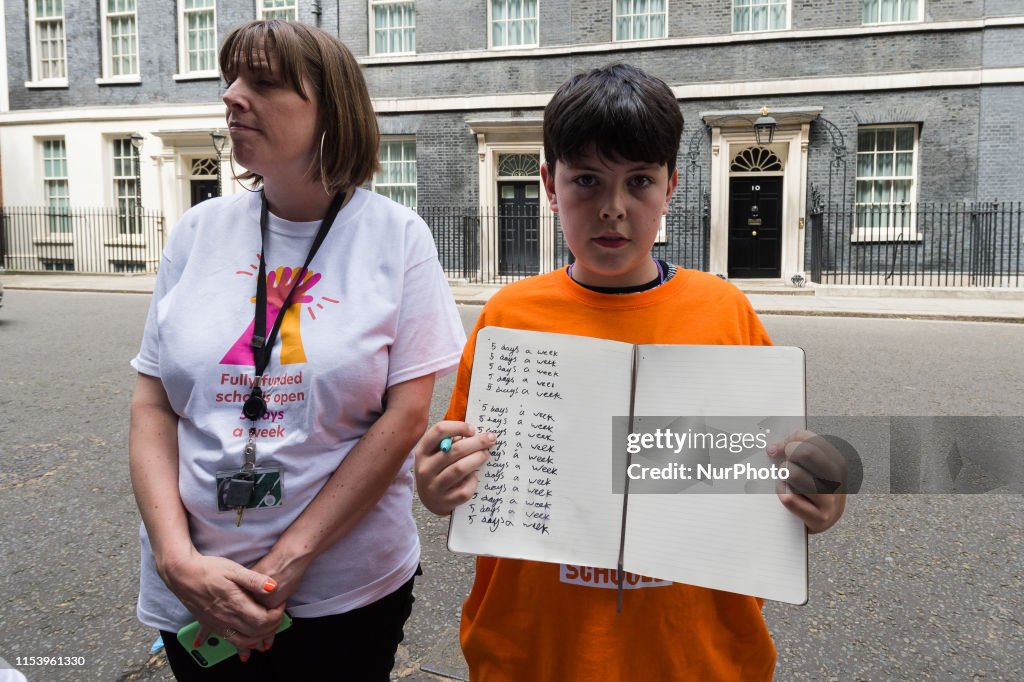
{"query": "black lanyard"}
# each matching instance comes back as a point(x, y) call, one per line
point(255, 405)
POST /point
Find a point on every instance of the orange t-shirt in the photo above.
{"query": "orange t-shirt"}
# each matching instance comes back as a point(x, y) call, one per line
point(533, 621)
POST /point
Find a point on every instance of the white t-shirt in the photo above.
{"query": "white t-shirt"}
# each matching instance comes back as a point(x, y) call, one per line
point(376, 312)
point(9, 674)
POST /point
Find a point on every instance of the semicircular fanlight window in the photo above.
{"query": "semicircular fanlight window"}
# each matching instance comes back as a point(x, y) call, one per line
point(756, 160)
point(518, 165)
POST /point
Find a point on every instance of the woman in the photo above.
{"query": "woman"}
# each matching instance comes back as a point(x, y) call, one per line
point(273, 479)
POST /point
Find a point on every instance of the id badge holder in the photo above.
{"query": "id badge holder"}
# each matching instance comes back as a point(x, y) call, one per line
point(256, 488)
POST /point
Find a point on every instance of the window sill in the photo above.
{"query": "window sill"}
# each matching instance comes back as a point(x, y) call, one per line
point(380, 55)
point(197, 76)
point(120, 80)
point(43, 85)
point(872, 235)
point(54, 239)
point(129, 239)
point(637, 40)
point(507, 48)
point(760, 31)
point(876, 24)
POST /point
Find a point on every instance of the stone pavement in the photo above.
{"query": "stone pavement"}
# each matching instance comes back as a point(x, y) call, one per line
point(768, 298)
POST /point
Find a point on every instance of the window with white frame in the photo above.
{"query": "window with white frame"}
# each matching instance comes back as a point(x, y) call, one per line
point(198, 37)
point(892, 11)
point(886, 168)
point(641, 19)
point(127, 266)
point(55, 185)
point(397, 176)
point(126, 185)
point(394, 26)
point(278, 9)
point(58, 264)
point(49, 54)
point(121, 39)
point(514, 23)
point(759, 15)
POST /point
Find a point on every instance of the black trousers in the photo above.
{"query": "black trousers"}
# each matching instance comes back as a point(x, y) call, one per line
point(358, 645)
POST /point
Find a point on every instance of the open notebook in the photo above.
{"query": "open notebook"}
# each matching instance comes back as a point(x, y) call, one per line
point(547, 492)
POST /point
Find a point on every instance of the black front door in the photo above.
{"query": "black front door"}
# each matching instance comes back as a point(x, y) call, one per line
point(518, 228)
point(755, 227)
point(203, 190)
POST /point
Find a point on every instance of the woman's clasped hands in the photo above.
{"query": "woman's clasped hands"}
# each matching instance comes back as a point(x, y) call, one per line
point(227, 599)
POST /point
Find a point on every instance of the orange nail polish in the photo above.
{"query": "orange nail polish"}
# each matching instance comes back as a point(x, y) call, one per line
point(195, 644)
point(270, 585)
point(244, 658)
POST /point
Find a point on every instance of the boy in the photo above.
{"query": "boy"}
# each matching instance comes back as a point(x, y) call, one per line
point(611, 138)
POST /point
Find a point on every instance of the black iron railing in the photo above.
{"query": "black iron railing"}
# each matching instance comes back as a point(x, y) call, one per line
point(979, 244)
point(937, 245)
point(497, 245)
point(92, 240)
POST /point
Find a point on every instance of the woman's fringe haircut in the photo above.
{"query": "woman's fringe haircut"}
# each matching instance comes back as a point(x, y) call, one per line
point(347, 121)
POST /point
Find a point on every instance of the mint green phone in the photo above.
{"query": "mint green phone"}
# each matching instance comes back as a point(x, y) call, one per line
point(215, 648)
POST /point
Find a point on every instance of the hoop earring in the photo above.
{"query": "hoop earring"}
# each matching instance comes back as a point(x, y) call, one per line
point(234, 175)
point(323, 176)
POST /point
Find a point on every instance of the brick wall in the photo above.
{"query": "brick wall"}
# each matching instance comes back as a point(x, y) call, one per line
point(1001, 120)
point(351, 25)
point(994, 8)
point(1003, 46)
point(446, 161)
point(461, 25)
point(157, 27)
point(953, 10)
point(969, 136)
point(450, 25)
point(1002, 132)
point(878, 54)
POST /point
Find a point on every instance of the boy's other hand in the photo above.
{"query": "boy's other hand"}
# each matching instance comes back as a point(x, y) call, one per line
point(444, 480)
point(816, 488)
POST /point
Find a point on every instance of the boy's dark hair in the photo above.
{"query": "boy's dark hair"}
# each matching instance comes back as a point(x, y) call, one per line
point(619, 110)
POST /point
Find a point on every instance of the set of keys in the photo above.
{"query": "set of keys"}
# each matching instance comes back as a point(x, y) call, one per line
point(240, 487)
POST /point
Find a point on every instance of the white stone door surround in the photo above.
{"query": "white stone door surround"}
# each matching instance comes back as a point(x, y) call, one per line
point(731, 133)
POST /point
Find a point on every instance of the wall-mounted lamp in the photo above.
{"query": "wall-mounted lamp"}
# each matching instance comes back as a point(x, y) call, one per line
point(764, 125)
point(764, 128)
point(219, 140)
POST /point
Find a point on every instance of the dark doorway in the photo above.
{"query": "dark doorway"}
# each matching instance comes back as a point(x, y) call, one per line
point(518, 228)
point(755, 227)
point(203, 190)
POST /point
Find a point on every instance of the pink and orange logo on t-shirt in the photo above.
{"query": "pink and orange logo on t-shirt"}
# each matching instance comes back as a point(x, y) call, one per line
point(279, 283)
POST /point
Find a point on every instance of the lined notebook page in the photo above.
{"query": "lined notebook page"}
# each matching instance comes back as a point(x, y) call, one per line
point(545, 494)
point(746, 543)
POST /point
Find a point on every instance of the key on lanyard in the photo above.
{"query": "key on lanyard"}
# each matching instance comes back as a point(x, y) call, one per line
point(241, 484)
